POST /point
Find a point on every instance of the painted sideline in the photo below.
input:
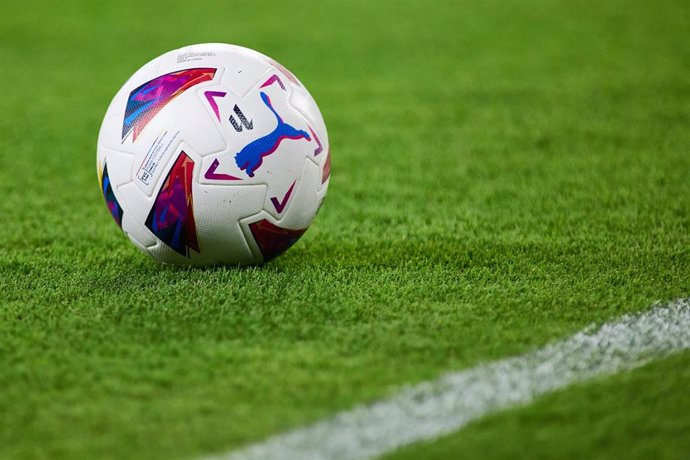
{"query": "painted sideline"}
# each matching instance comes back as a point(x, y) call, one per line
point(432, 409)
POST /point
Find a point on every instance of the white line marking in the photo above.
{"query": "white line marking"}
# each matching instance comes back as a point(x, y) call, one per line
point(442, 406)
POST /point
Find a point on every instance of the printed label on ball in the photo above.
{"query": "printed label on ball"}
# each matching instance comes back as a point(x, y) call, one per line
point(153, 157)
point(187, 57)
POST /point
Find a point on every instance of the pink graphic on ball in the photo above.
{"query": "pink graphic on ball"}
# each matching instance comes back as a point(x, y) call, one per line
point(319, 147)
point(272, 239)
point(211, 98)
point(274, 79)
point(213, 175)
point(171, 217)
point(280, 205)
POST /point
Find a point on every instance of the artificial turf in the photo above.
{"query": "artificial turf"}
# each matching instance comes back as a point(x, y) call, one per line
point(504, 173)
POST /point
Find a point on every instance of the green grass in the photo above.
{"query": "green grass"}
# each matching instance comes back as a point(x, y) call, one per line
point(504, 173)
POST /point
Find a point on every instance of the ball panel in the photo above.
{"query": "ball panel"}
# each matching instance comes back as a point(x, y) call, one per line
point(304, 104)
point(109, 135)
point(136, 208)
point(305, 201)
point(186, 124)
point(219, 211)
point(147, 100)
point(119, 165)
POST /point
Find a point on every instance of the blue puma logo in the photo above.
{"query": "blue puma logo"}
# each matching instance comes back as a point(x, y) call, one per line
point(251, 156)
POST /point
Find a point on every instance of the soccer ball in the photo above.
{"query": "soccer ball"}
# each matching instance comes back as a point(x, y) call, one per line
point(213, 154)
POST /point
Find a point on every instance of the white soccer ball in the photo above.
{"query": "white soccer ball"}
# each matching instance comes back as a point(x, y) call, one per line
point(213, 154)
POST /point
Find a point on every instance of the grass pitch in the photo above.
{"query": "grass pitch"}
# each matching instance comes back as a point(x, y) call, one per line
point(504, 173)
